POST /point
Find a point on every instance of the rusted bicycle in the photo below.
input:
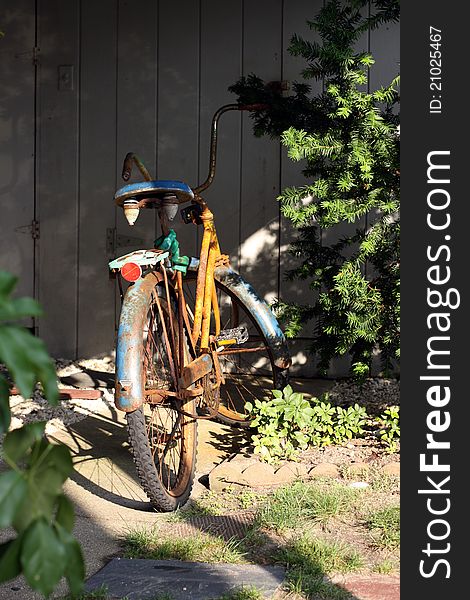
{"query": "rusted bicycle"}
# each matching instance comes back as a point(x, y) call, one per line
point(195, 341)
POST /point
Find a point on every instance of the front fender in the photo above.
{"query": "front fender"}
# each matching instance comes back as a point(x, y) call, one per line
point(261, 313)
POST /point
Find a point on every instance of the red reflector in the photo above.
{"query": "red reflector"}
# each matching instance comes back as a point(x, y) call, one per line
point(131, 271)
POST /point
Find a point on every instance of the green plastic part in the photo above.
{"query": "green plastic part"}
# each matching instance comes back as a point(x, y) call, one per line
point(170, 243)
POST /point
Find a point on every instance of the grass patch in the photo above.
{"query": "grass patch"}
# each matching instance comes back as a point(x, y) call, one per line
point(293, 505)
point(99, 594)
point(201, 548)
point(385, 567)
point(318, 556)
point(245, 593)
point(307, 560)
point(381, 482)
point(385, 527)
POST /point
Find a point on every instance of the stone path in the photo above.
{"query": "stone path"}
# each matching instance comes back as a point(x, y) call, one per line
point(145, 579)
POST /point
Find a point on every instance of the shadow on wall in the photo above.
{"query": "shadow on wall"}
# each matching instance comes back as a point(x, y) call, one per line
point(264, 264)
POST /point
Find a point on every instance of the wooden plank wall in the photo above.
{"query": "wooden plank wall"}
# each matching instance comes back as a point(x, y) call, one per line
point(147, 77)
point(17, 122)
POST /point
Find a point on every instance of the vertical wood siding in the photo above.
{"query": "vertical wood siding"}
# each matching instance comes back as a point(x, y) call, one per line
point(17, 122)
point(148, 75)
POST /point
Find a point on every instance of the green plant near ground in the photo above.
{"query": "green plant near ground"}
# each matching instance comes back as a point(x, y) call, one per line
point(308, 559)
point(31, 496)
point(300, 503)
point(386, 566)
point(143, 543)
point(385, 527)
point(347, 137)
point(100, 593)
point(289, 422)
point(390, 427)
point(245, 593)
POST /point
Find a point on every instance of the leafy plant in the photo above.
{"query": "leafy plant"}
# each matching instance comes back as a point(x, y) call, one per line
point(390, 427)
point(348, 139)
point(31, 498)
point(385, 527)
point(283, 424)
point(289, 422)
point(148, 543)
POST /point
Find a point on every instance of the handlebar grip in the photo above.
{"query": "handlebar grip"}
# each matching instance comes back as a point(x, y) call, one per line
point(253, 107)
point(127, 166)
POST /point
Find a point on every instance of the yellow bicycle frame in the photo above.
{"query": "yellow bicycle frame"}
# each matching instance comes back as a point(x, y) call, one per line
point(206, 296)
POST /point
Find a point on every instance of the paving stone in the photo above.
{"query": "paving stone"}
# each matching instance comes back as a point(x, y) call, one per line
point(146, 579)
point(290, 471)
point(259, 475)
point(370, 587)
point(324, 470)
point(223, 475)
point(243, 460)
point(392, 468)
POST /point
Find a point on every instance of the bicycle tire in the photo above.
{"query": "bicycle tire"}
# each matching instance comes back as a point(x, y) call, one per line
point(268, 377)
point(163, 440)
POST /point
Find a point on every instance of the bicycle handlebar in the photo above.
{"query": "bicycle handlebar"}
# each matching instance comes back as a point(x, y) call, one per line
point(132, 158)
point(213, 146)
point(127, 167)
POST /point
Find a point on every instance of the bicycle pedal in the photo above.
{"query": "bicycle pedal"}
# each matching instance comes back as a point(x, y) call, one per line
point(237, 335)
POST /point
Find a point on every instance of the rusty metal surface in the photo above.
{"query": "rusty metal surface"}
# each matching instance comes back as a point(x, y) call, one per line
point(213, 142)
point(127, 167)
point(213, 147)
point(208, 288)
point(195, 370)
point(200, 284)
point(241, 350)
point(261, 313)
point(129, 393)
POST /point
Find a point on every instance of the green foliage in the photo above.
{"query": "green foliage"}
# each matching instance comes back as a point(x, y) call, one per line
point(385, 527)
point(347, 138)
point(296, 505)
point(31, 497)
point(244, 593)
point(390, 427)
point(308, 561)
point(289, 422)
point(148, 543)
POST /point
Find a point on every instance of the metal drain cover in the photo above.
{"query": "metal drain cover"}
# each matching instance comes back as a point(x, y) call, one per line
point(138, 579)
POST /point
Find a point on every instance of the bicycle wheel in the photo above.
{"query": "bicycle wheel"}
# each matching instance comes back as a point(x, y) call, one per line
point(162, 438)
point(248, 368)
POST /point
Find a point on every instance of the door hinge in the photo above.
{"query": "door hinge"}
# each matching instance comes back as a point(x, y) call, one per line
point(36, 51)
point(32, 229)
point(35, 231)
point(116, 240)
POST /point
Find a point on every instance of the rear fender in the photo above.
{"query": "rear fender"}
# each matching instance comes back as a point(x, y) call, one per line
point(129, 394)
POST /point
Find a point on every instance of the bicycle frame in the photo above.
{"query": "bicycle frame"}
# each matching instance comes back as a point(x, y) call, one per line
point(212, 266)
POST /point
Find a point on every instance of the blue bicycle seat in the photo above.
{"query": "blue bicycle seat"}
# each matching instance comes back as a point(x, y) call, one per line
point(154, 189)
